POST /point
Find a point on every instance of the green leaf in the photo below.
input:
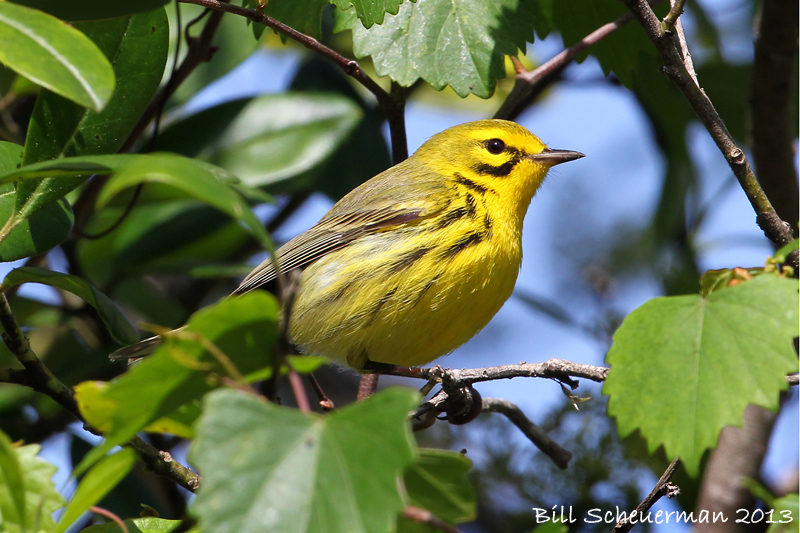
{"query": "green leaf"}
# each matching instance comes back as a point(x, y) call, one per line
point(437, 481)
point(461, 43)
point(159, 237)
point(117, 324)
point(364, 154)
point(54, 55)
point(787, 510)
point(97, 482)
point(12, 486)
point(780, 255)
point(181, 370)
point(265, 139)
point(200, 180)
point(269, 468)
point(304, 16)
point(136, 46)
point(136, 525)
point(91, 9)
point(137, 49)
point(29, 483)
point(728, 86)
point(370, 12)
point(684, 367)
point(33, 235)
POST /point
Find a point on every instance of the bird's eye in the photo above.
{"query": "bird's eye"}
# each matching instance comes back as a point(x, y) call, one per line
point(495, 146)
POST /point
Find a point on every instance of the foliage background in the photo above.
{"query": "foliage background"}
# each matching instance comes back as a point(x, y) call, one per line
point(651, 206)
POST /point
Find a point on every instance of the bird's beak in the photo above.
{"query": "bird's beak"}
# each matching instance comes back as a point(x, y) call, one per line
point(553, 157)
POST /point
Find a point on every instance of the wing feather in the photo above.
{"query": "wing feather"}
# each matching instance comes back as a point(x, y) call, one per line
point(399, 196)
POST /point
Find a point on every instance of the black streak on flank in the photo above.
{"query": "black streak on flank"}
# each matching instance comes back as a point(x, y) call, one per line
point(470, 201)
point(408, 259)
point(487, 224)
point(452, 216)
point(463, 243)
point(425, 289)
point(385, 298)
point(481, 189)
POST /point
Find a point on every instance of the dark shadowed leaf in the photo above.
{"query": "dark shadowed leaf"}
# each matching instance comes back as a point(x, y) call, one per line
point(91, 9)
point(112, 317)
point(266, 139)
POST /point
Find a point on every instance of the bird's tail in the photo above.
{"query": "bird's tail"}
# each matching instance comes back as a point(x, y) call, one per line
point(136, 351)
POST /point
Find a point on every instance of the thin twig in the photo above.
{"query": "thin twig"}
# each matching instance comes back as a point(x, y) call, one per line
point(324, 402)
point(769, 221)
point(299, 391)
point(423, 516)
point(663, 488)
point(794, 379)
point(111, 516)
point(392, 103)
point(350, 66)
point(367, 386)
point(530, 84)
point(200, 50)
point(535, 434)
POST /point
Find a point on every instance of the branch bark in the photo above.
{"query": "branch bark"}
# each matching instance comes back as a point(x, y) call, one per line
point(775, 229)
point(38, 377)
point(663, 488)
point(535, 434)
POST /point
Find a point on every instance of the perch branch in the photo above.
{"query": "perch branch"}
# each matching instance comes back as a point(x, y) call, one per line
point(557, 369)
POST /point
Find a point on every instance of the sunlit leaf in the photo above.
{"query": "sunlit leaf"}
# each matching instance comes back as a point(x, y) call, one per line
point(684, 367)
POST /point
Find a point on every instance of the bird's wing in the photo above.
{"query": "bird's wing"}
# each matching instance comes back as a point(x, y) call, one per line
point(390, 201)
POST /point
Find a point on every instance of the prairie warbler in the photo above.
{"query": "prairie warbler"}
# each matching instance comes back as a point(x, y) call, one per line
point(414, 262)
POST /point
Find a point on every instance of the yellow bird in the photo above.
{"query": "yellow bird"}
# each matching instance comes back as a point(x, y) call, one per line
point(414, 262)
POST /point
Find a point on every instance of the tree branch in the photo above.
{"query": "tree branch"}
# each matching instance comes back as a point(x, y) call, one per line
point(663, 488)
point(535, 434)
point(771, 101)
point(675, 69)
point(739, 453)
point(39, 378)
point(530, 84)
